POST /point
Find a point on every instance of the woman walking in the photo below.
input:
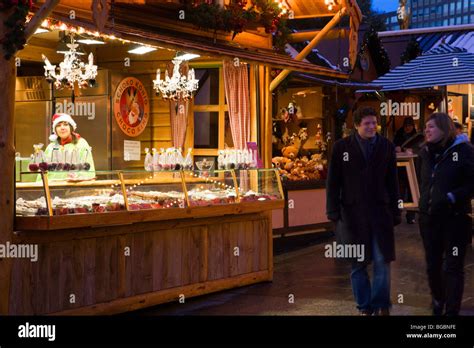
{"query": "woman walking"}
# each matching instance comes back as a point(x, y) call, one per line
point(447, 187)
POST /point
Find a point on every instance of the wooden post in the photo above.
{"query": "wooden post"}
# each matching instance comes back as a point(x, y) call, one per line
point(310, 34)
point(268, 121)
point(7, 160)
point(302, 55)
point(7, 148)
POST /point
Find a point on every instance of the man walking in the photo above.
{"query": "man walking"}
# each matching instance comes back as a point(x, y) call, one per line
point(362, 199)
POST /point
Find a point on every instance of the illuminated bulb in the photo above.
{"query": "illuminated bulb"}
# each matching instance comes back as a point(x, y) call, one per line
point(330, 7)
point(63, 26)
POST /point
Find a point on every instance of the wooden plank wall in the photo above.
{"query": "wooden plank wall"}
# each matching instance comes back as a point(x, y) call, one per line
point(96, 270)
point(158, 131)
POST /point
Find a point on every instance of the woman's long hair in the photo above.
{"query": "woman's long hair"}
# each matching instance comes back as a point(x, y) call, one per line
point(446, 125)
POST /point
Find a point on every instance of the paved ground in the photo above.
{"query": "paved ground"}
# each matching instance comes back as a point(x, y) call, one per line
point(321, 286)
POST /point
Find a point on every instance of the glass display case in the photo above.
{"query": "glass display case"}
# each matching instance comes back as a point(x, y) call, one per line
point(206, 188)
point(114, 191)
point(54, 197)
point(259, 185)
point(154, 190)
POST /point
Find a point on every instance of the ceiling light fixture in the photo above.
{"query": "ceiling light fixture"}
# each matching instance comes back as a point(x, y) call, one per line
point(90, 41)
point(142, 50)
point(176, 87)
point(71, 69)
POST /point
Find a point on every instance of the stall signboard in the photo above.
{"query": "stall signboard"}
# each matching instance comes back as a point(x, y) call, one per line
point(131, 106)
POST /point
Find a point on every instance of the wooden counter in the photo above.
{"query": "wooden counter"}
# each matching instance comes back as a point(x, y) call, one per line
point(121, 261)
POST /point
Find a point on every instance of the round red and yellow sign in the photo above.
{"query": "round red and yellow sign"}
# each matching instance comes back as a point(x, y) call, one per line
point(131, 106)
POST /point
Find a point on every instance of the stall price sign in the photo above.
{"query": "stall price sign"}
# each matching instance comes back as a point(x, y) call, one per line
point(131, 106)
point(131, 150)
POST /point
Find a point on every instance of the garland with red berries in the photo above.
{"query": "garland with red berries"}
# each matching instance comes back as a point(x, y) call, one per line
point(14, 39)
point(236, 18)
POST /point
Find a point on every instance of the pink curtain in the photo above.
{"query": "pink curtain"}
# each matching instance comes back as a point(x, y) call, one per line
point(236, 82)
point(179, 113)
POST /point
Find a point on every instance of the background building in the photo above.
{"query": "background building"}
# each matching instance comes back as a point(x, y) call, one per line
point(434, 13)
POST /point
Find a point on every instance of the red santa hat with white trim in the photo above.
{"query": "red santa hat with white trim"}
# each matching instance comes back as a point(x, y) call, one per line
point(57, 119)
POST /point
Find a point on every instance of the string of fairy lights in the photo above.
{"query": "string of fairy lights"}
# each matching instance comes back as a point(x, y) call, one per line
point(198, 188)
point(53, 24)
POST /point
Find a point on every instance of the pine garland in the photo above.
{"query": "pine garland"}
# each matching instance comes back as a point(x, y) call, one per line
point(236, 18)
point(378, 53)
point(412, 51)
point(14, 39)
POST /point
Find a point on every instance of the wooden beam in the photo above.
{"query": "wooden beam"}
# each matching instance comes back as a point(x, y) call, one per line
point(40, 15)
point(302, 55)
point(309, 35)
point(7, 160)
point(319, 15)
point(267, 157)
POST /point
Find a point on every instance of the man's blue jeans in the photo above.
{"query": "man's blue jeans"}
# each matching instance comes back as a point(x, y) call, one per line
point(370, 298)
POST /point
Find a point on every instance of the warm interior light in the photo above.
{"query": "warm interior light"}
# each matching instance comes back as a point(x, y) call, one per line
point(88, 41)
point(142, 50)
point(41, 30)
point(187, 56)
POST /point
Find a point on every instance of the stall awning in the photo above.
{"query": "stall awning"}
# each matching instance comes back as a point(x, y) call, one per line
point(441, 66)
point(197, 44)
point(462, 39)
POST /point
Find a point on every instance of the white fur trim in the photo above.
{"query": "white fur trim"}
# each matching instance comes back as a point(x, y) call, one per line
point(53, 138)
point(63, 118)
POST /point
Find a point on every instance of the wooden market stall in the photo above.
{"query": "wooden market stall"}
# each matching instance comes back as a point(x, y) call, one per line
point(118, 256)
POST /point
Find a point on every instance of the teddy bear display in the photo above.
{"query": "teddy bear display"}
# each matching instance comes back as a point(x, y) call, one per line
point(304, 168)
point(309, 166)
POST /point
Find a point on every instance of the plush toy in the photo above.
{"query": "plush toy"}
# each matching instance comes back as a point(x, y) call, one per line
point(290, 151)
point(289, 165)
point(279, 162)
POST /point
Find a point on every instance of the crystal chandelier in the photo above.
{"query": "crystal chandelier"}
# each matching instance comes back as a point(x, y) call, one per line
point(176, 87)
point(71, 69)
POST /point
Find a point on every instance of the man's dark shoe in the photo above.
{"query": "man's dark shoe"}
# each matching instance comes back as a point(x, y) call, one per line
point(365, 312)
point(384, 312)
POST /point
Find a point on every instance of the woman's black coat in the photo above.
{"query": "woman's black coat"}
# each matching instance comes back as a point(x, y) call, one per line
point(452, 172)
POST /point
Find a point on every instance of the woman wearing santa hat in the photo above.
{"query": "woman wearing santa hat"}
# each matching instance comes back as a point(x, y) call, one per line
point(70, 148)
